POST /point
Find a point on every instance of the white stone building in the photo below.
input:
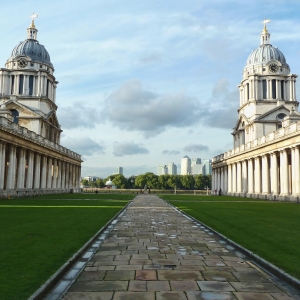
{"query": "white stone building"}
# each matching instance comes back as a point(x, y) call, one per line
point(172, 168)
point(186, 166)
point(32, 161)
point(265, 160)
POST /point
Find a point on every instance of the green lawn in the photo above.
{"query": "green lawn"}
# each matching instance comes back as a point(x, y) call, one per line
point(269, 229)
point(204, 198)
point(38, 236)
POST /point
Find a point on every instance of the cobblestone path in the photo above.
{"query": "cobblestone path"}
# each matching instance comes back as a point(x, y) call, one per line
point(155, 253)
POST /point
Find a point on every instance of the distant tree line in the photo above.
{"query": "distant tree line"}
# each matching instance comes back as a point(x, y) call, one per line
point(163, 182)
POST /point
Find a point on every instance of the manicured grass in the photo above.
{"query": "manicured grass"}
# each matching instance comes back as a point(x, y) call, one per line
point(204, 198)
point(37, 237)
point(269, 229)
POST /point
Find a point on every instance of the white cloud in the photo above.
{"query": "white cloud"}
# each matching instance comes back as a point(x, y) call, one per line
point(129, 148)
point(131, 107)
point(83, 145)
point(171, 152)
point(195, 148)
point(78, 115)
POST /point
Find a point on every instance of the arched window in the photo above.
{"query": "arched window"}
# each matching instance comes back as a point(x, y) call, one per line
point(280, 116)
point(15, 115)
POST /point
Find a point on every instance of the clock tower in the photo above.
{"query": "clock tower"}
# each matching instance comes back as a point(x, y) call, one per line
point(267, 92)
point(28, 87)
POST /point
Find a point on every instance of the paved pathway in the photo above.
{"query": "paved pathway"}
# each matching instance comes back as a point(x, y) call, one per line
point(155, 253)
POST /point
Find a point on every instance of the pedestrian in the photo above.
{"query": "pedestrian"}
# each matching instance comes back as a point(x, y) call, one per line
point(220, 192)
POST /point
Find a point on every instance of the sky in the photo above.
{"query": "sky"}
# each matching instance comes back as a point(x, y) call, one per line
point(144, 83)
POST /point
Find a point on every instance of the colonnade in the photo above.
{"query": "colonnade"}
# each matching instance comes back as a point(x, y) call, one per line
point(41, 85)
point(272, 175)
point(25, 171)
point(253, 89)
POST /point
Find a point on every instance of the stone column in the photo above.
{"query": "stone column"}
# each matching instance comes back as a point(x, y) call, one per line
point(10, 183)
point(225, 180)
point(49, 175)
point(244, 177)
point(250, 177)
point(2, 164)
point(284, 174)
point(274, 174)
point(37, 171)
point(44, 172)
point(291, 88)
point(21, 169)
point(63, 175)
point(238, 177)
point(222, 179)
point(212, 179)
point(29, 178)
point(229, 179)
point(67, 175)
point(59, 174)
point(54, 182)
point(265, 175)
point(257, 178)
point(295, 171)
point(278, 87)
point(234, 185)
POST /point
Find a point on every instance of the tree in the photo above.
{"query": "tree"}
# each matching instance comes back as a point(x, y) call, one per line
point(140, 181)
point(100, 183)
point(174, 181)
point(131, 182)
point(85, 182)
point(199, 181)
point(188, 181)
point(163, 181)
point(151, 180)
point(120, 181)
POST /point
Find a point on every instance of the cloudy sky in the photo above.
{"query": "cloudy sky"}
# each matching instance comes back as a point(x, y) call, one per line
point(144, 83)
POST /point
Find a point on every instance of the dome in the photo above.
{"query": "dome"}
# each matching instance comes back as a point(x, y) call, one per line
point(265, 53)
point(33, 49)
point(109, 183)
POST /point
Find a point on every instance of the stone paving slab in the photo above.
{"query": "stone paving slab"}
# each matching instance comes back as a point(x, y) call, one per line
point(156, 253)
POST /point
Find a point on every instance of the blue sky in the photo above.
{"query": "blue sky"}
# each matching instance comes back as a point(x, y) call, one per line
point(144, 83)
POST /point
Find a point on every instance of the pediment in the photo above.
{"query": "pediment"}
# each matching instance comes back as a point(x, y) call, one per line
point(52, 119)
point(241, 123)
point(272, 114)
point(22, 109)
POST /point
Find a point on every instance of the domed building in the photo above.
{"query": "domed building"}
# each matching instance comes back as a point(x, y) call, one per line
point(265, 160)
point(32, 161)
point(28, 86)
point(267, 92)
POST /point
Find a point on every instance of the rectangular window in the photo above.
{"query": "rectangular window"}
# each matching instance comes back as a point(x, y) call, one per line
point(47, 88)
point(30, 85)
point(12, 84)
point(282, 89)
point(248, 92)
point(264, 87)
point(21, 81)
point(274, 88)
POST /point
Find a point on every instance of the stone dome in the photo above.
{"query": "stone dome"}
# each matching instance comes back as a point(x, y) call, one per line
point(109, 183)
point(265, 53)
point(33, 49)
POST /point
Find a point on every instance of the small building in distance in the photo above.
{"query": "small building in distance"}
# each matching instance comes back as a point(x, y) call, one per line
point(120, 170)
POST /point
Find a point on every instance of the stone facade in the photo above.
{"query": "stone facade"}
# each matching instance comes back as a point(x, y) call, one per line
point(265, 160)
point(32, 161)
